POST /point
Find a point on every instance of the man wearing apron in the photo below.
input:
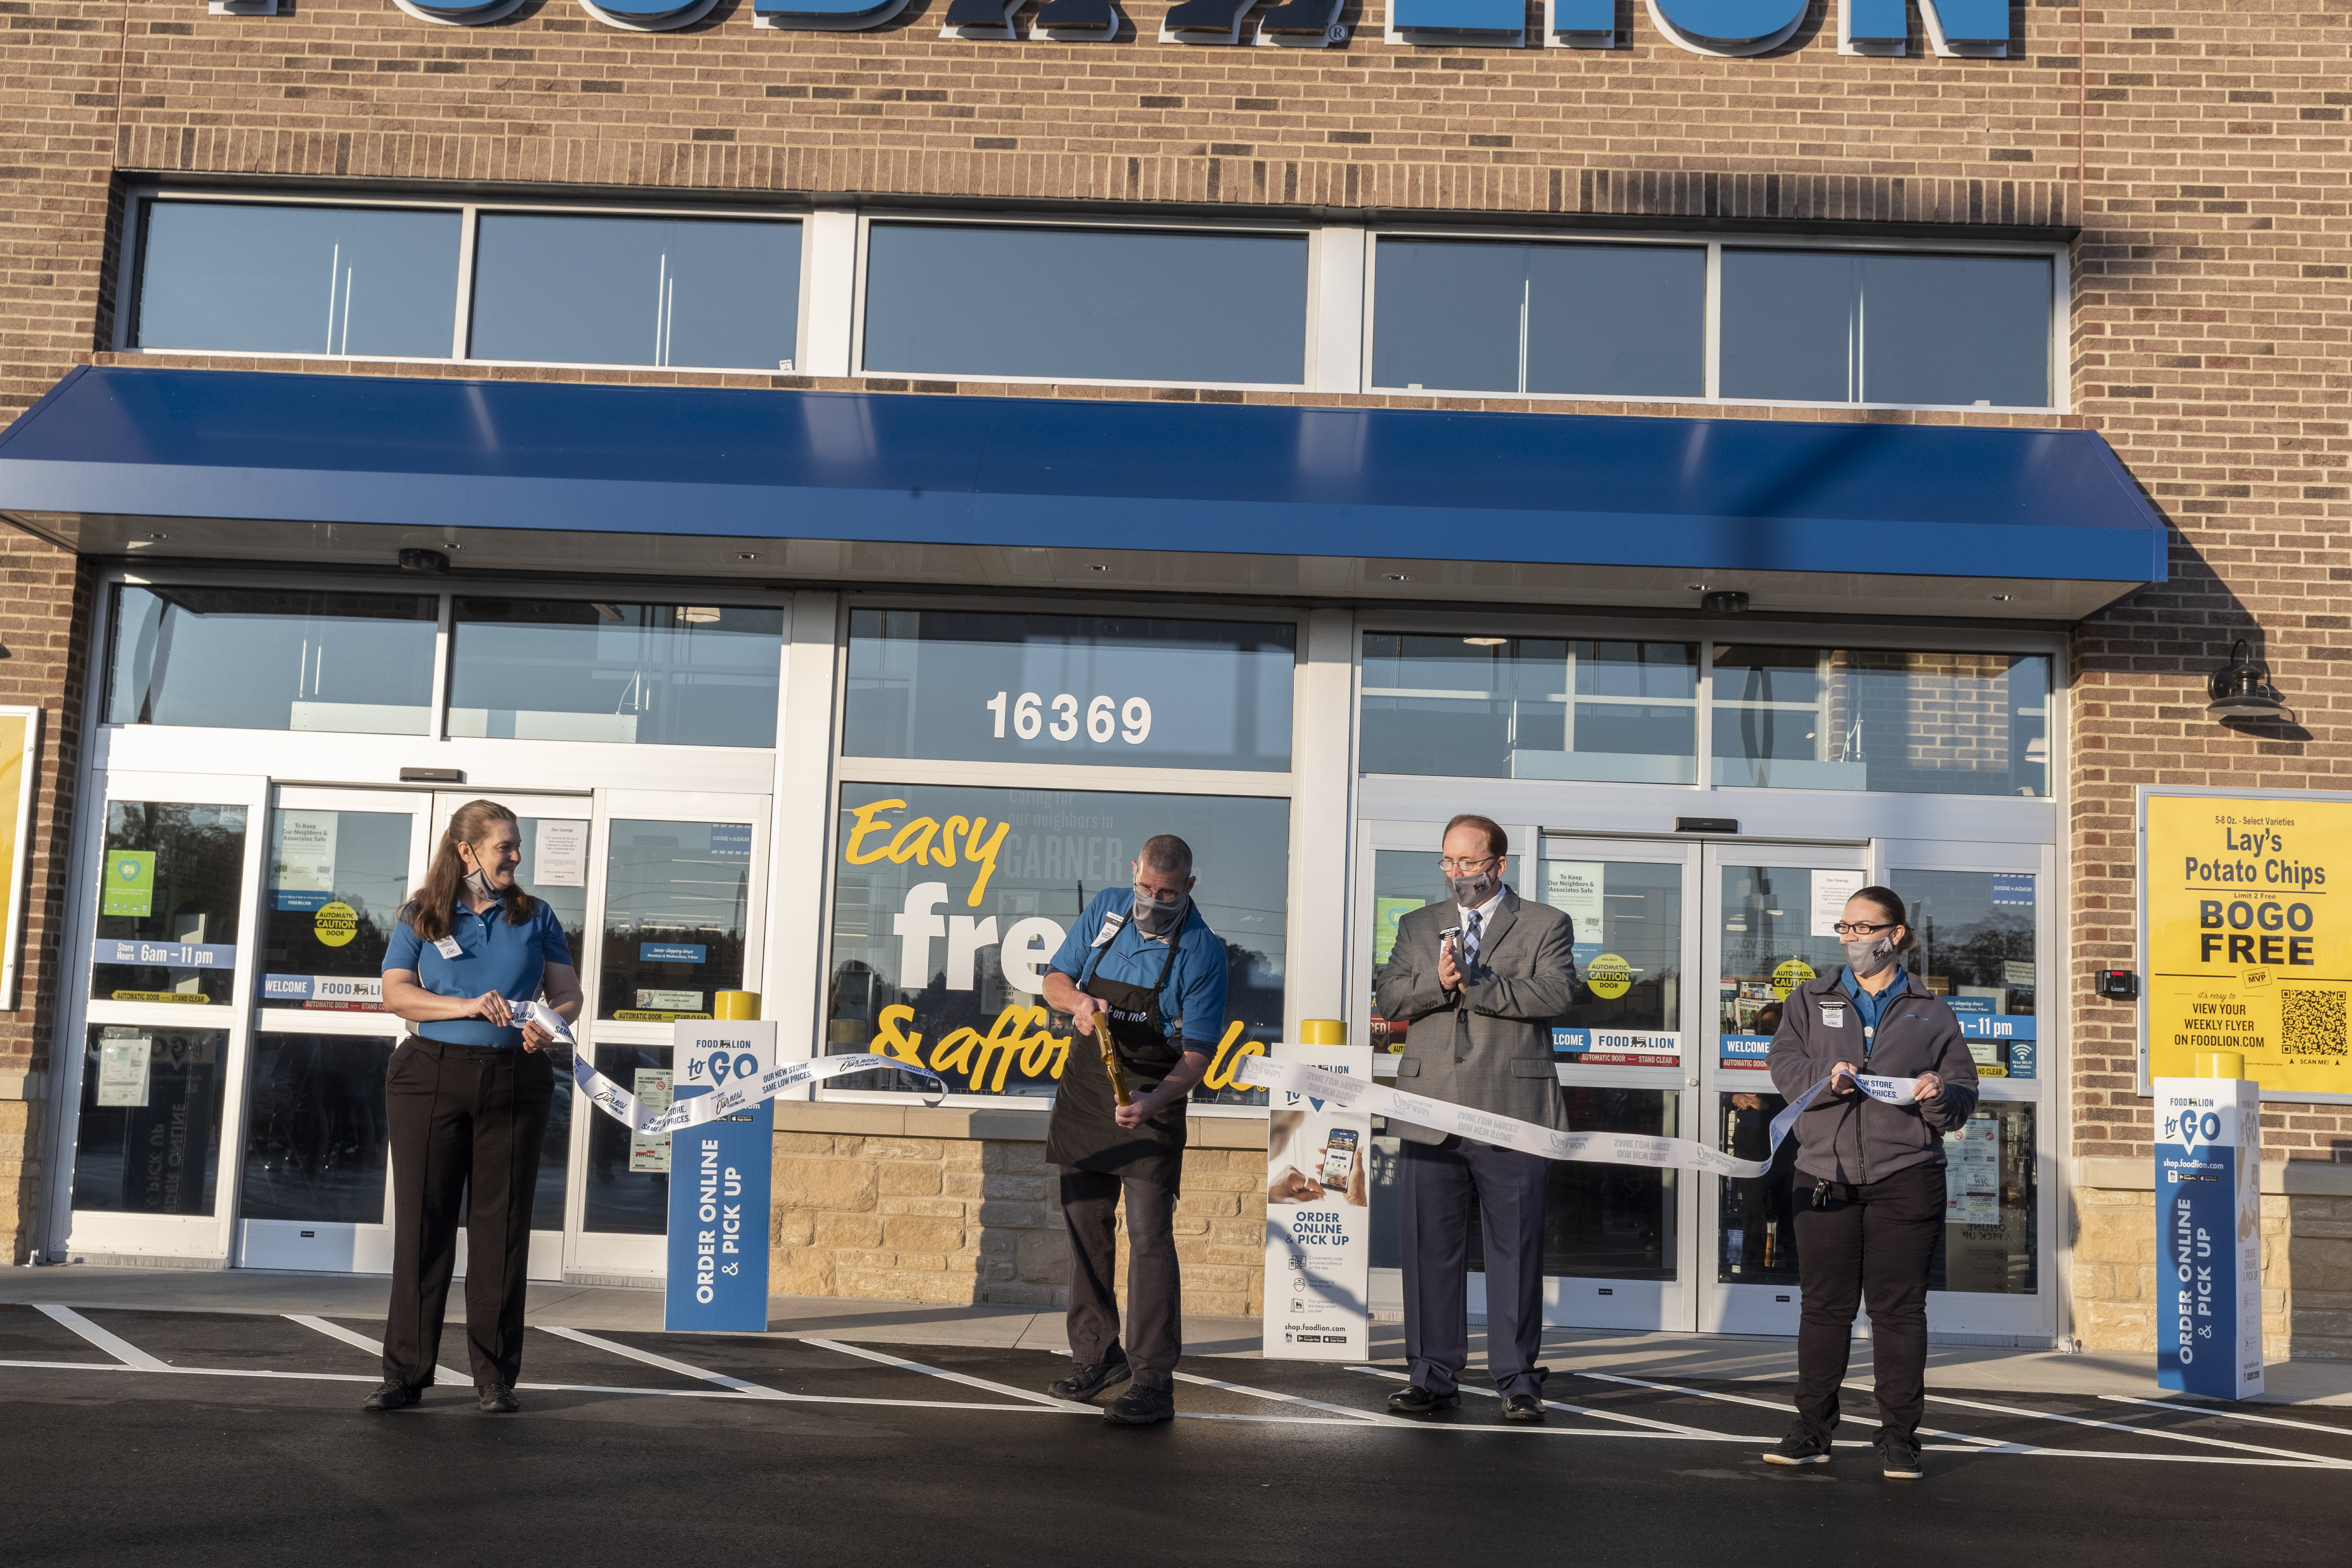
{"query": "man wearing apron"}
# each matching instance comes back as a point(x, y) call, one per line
point(1142, 968)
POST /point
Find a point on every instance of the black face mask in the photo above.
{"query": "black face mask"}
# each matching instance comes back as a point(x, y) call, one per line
point(1472, 892)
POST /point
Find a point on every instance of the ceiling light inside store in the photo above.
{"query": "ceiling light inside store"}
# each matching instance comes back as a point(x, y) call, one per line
point(1485, 642)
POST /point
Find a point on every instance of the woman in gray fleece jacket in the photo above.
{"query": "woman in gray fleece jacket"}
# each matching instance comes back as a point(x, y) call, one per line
point(1869, 1176)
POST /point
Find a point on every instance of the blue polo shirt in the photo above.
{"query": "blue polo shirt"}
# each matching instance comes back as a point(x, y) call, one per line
point(1870, 1005)
point(493, 955)
point(1194, 996)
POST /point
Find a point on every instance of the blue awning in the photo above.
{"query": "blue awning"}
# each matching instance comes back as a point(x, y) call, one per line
point(292, 460)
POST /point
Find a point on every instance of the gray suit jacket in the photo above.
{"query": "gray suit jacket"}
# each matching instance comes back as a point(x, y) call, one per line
point(1488, 1045)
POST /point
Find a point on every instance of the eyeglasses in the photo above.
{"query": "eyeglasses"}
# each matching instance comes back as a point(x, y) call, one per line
point(1454, 868)
point(1861, 928)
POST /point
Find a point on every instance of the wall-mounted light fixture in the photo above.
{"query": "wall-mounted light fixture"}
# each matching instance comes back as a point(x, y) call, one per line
point(2241, 688)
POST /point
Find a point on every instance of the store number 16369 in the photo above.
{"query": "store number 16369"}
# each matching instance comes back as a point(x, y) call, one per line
point(1105, 717)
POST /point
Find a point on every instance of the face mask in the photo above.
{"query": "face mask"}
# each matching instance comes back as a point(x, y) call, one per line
point(1472, 892)
point(478, 884)
point(1867, 958)
point(1154, 917)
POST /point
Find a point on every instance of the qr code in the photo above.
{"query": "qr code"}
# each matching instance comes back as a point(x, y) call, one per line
point(2315, 1023)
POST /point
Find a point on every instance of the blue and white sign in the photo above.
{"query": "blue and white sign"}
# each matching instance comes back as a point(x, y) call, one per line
point(1744, 1050)
point(719, 1183)
point(672, 953)
point(732, 839)
point(170, 954)
point(2016, 892)
point(355, 993)
point(1318, 1223)
point(2208, 1236)
point(1617, 1047)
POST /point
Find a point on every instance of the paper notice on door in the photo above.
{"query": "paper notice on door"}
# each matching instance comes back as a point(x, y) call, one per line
point(651, 1154)
point(1573, 888)
point(1830, 891)
point(558, 855)
point(122, 1060)
point(302, 861)
point(1972, 1174)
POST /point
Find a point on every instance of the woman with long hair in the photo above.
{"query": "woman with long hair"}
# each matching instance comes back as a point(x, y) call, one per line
point(1869, 1189)
point(468, 1097)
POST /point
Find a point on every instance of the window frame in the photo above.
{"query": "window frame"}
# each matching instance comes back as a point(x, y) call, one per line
point(469, 213)
point(846, 769)
point(2061, 303)
point(1309, 345)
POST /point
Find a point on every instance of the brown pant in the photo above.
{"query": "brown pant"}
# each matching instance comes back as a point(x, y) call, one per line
point(462, 1115)
point(1155, 1308)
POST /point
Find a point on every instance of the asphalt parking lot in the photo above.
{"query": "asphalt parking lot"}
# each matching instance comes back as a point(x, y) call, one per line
point(237, 1438)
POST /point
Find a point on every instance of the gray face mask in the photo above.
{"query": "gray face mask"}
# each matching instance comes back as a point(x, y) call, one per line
point(1156, 917)
point(1472, 892)
point(1867, 958)
point(477, 884)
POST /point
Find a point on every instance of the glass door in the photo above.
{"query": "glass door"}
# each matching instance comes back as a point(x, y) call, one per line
point(1618, 1247)
point(175, 861)
point(680, 919)
point(1768, 930)
point(556, 829)
point(314, 1187)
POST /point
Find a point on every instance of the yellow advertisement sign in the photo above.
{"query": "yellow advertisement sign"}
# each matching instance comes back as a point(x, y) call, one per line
point(20, 734)
point(2249, 909)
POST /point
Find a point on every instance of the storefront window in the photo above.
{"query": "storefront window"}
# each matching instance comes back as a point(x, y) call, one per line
point(950, 903)
point(663, 675)
point(331, 890)
point(1479, 316)
point(1607, 1222)
point(1542, 708)
point(1991, 1240)
point(677, 901)
point(1826, 326)
point(628, 1173)
point(1087, 304)
point(1108, 691)
point(1909, 723)
point(1628, 944)
point(270, 278)
point(149, 1137)
point(168, 900)
point(256, 658)
point(316, 1136)
point(576, 289)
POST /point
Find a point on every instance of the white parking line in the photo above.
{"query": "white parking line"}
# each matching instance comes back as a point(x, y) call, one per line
point(336, 1332)
point(1368, 1417)
point(1673, 1426)
point(1047, 1400)
point(2230, 1414)
point(613, 1347)
point(2317, 1461)
point(113, 1344)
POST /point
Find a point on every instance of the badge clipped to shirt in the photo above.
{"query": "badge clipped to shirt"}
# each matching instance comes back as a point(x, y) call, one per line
point(1113, 924)
point(1832, 1017)
point(447, 947)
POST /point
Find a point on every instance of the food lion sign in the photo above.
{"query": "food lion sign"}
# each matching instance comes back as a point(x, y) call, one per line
point(2208, 1236)
point(1729, 28)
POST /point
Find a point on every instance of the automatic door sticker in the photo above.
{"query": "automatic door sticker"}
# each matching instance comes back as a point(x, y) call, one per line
point(336, 923)
point(1608, 976)
point(1791, 973)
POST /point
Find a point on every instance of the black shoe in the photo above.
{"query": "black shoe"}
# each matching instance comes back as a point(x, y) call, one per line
point(1141, 1407)
point(1800, 1447)
point(392, 1396)
point(1898, 1457)
point(1523, 1407)
point(495, 1399)
point(1415, 1400)
point(1090, 1378)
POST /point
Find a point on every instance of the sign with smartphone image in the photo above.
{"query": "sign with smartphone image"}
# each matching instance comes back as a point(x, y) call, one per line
point(1318, 1226)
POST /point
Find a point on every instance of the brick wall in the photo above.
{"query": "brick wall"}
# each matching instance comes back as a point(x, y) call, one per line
point(43, 617)
point(867, 1205)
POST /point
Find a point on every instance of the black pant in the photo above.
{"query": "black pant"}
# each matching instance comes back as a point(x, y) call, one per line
point(1872, 1243)
point(461, 1114)
point(1435, 1185)
point(1155, 1308)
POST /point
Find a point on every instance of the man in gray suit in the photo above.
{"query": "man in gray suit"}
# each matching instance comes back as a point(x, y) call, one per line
point(1479, 979)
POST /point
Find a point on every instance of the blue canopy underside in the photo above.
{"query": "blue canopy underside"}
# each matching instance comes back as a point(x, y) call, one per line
point(1548, 489)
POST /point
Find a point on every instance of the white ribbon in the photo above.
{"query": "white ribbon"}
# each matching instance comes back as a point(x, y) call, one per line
point(628, 1110)
point(1509, 1132)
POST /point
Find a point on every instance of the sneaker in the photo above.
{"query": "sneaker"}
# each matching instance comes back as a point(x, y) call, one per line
point(1800, 1447)
point(1898, 1457)
point(1090, 1378)
point(495, 1399)
point(392, 1396)
point(1141, 1407)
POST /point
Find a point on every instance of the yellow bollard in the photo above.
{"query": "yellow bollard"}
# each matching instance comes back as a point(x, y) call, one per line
point(2220, 1064)
point(1322, 1032)
point(738, 1006)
